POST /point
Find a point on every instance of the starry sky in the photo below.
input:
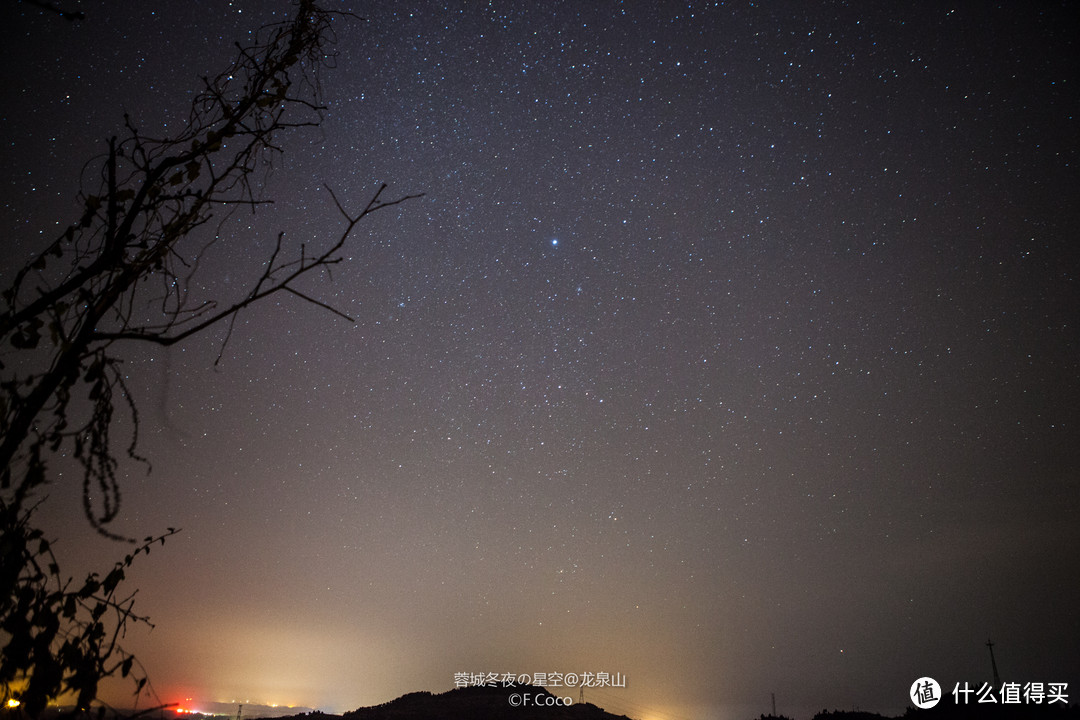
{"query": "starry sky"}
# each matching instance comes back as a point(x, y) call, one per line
point(732, 348)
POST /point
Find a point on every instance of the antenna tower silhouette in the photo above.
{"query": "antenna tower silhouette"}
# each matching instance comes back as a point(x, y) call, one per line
point(993, 663)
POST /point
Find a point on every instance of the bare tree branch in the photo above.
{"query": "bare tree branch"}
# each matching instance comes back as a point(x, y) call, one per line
point(69, 15)
point(123, 270)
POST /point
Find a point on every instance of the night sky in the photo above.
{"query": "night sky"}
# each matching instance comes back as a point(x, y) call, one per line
point(733, 348)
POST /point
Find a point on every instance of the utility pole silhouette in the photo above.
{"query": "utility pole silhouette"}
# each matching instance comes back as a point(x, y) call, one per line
point(773, 704)
point(993, 663)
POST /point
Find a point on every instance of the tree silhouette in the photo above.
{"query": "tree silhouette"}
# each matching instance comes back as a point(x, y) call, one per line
point(120, 274)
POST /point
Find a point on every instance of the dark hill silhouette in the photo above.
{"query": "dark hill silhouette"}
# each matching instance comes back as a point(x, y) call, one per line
point(493, 703)
point(948, 710)
point(481, 703)
point(848, 715)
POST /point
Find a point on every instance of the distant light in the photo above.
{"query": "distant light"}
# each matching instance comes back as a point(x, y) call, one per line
point(554, 242)
point(13, 703)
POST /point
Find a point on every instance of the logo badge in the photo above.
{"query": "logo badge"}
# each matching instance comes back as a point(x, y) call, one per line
point(925, 693)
